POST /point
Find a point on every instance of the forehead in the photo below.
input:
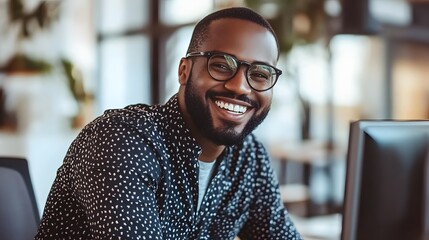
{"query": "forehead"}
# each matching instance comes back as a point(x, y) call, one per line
point(246, 40)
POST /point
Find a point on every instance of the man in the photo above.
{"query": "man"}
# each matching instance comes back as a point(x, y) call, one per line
point(189, 169)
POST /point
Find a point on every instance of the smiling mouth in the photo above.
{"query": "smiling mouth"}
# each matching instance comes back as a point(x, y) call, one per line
point(233, 108)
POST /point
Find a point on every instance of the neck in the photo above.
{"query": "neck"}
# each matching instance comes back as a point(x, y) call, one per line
point(210, 150)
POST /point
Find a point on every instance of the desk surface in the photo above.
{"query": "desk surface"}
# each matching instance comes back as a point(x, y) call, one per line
point(327, 227)
point(307, 152)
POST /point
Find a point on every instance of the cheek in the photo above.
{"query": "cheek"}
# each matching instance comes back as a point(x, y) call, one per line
point(201, 79)
point(265, 99)
point(203, 83)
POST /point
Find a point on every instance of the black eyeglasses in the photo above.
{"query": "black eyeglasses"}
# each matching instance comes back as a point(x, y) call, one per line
point(223, 67)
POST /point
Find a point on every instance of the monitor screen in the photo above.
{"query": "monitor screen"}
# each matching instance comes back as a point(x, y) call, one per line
point(384, 193)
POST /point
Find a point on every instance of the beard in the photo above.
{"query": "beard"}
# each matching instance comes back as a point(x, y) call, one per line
point(202, 118)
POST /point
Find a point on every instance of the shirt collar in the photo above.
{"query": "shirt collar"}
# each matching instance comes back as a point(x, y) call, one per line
point(174, 122)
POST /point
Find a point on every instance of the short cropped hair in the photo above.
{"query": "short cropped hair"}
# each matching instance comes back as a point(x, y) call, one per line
point(200, 32)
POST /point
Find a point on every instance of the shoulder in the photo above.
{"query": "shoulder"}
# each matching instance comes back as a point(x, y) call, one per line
point(255, 154)
point(119, 136)
point(249, 157)
point(136, 116)
point(134, 119)
point(252, 144)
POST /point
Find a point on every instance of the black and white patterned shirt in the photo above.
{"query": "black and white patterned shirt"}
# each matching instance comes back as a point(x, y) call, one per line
point(133, 174)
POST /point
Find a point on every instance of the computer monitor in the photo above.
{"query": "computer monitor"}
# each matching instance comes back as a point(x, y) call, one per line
point(385, 193)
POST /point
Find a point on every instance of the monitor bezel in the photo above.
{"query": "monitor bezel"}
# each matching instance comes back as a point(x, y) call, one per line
point(354, 170)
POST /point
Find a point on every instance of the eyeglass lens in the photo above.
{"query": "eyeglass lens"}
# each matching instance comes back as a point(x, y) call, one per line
point(223, 67)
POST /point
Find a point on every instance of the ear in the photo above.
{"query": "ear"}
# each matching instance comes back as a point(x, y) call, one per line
point(184, 70)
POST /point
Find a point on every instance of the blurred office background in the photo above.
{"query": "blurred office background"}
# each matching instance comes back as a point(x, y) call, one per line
point(62, 63)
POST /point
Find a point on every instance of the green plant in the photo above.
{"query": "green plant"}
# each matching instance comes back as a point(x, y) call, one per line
point(296, 22)
point(75, 81)
point(28, 23)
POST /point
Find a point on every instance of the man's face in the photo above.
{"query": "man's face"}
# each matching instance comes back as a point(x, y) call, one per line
point(209, 102)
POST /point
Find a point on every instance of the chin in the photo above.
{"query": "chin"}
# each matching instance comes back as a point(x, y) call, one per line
point(225, 136)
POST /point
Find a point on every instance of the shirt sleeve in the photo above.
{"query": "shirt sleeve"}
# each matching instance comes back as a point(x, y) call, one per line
point(112, 176)
point(268, 218)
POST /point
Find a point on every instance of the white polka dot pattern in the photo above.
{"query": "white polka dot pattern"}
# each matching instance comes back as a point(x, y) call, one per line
point(133, 174)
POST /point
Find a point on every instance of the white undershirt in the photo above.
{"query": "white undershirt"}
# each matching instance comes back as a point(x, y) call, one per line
point(206, 170)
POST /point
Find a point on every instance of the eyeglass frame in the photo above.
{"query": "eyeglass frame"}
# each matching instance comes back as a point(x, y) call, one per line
point(210, 54)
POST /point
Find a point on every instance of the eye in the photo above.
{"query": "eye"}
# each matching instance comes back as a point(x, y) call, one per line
point(260, 73)
point(220, 67)
point(259, 77)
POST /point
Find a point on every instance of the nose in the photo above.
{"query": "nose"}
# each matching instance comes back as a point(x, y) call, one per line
point(238, 84)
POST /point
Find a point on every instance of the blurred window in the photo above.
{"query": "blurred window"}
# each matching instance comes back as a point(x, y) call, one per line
point(173, 12)
point(119, 15)
point(125, 72)
point(176, 47)
point(140, 50)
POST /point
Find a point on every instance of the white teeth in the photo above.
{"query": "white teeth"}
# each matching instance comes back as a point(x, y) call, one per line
point(231, 107)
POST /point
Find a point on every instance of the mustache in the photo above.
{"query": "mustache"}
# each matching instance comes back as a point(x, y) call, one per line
point(243, 98)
